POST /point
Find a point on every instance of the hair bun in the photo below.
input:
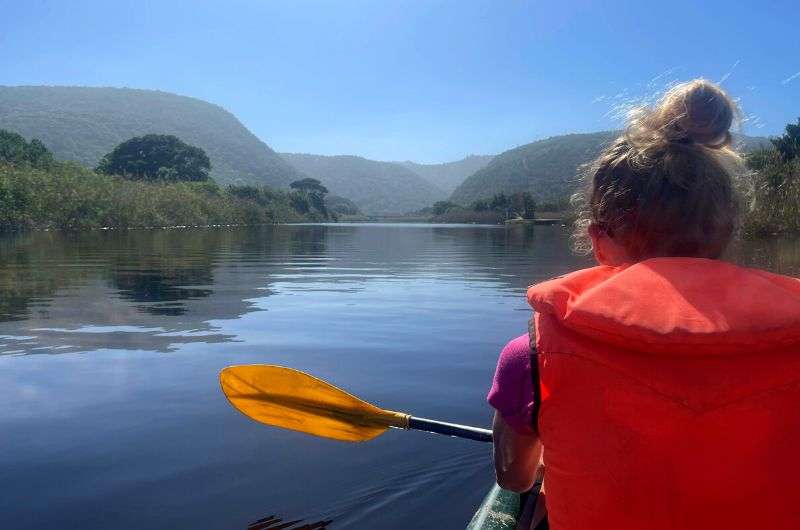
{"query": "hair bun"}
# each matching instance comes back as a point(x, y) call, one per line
point(697, 111)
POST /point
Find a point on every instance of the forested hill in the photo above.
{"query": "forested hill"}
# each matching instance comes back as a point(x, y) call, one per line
point(83, 124)
point(449, 175)
point(547, 168)
point(375, 187)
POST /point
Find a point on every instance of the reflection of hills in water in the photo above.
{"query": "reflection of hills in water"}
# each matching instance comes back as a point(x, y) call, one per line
point(157, 290)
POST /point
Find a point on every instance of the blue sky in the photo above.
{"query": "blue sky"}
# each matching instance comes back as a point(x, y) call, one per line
point(425, 80)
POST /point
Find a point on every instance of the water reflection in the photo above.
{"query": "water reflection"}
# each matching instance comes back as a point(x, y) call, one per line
point(155, 290)
point(159, 271)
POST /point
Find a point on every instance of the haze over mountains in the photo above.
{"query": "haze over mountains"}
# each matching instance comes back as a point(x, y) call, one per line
point(375, 187)
point(450, 175)
point(83, 124)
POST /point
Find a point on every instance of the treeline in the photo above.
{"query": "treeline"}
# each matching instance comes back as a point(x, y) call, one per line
point(499, 208)
point(150, 181)
point(774, 186)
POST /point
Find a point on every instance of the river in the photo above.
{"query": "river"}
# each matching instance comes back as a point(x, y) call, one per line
point(111, 344)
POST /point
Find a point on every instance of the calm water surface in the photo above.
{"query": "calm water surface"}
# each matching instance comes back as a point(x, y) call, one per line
point(111, 342)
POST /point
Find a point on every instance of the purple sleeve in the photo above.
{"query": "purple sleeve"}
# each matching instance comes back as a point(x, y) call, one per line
point(512, 388)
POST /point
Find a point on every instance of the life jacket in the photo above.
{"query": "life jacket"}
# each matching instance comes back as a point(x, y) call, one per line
point(670, 396)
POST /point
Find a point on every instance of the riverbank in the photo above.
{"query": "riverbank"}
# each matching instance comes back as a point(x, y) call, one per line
point(65, 196)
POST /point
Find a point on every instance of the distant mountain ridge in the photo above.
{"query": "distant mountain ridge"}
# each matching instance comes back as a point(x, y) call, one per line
point(548, 168)
point(449, 175)
point(85, 123)
point(375, 187)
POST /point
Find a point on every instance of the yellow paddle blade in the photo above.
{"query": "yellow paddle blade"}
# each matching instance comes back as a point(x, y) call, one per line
point(291, 399)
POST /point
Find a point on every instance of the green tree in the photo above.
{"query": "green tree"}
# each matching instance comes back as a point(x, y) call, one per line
point(481, 205)
point(340, 205)
point(157, 157)
point(788, 145)
point(501, 202)
point(310, 194)
point(528, 205)
point(309, 185)
point(14, 150)
point(300, 203)
point(442, 207)
point(775, 186)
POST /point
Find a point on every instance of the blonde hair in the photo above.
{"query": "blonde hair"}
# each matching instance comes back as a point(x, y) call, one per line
point(666, 186)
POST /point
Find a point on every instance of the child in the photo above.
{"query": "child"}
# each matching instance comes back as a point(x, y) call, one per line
point(665, 386)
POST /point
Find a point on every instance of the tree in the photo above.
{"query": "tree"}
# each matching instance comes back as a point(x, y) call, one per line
point(775, 186)
point(157, 157)
point(340, 205)
point(524, 204)
point(309, 193)
point(788, 145)
point(501, 203)
point(442, 207)
point(15, 150)
point(481, 205)
point(300, 203)
point(309, 185)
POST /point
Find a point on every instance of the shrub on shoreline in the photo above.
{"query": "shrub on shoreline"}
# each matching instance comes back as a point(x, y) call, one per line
point(775, 186)
point(66, 196)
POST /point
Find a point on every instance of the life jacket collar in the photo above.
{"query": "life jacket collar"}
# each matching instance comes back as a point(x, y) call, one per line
point(676, 305)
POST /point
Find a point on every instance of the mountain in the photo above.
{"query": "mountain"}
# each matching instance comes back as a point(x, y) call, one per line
point(548, 168)
point(83, 124)
point(375, 187)
point(449, 175)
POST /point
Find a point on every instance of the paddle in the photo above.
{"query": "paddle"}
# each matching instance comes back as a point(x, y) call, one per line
point(294, 400)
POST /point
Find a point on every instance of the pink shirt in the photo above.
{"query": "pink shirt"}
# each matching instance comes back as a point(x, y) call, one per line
point(512, 388)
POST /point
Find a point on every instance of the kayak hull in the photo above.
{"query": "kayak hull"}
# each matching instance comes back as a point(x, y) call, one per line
point(500, 510)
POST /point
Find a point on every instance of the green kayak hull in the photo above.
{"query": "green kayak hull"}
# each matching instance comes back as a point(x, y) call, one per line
point(500, 510)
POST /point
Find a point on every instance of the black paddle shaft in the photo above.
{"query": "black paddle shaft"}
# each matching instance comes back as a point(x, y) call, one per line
point(450, 429)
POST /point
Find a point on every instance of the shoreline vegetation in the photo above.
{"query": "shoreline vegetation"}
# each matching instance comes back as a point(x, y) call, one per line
point(774, 187)
point(39, 193)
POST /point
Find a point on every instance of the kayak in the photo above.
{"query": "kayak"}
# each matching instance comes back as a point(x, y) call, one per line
point(506, 510)
point(500, 510)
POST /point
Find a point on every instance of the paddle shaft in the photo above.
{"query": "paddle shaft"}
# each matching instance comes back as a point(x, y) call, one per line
point(450, 429)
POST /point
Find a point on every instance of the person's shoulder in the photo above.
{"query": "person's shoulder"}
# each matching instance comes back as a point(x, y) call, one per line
point(512, 388)
point(517, 352)
point(519, 346)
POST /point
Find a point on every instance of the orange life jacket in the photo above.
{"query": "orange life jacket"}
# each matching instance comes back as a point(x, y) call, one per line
point(670, 397)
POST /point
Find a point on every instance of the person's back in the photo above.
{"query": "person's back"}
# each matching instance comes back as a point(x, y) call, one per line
point(675, 406)
point(667, 380)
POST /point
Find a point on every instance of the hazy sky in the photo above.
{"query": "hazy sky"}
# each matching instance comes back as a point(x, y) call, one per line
point(425, 80)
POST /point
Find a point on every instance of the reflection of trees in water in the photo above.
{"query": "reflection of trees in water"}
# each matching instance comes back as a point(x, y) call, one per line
point(28, 275)
point(155, 268)
point(306, 240)
point(149, 290)
point(159, 270)
point(155, 290)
